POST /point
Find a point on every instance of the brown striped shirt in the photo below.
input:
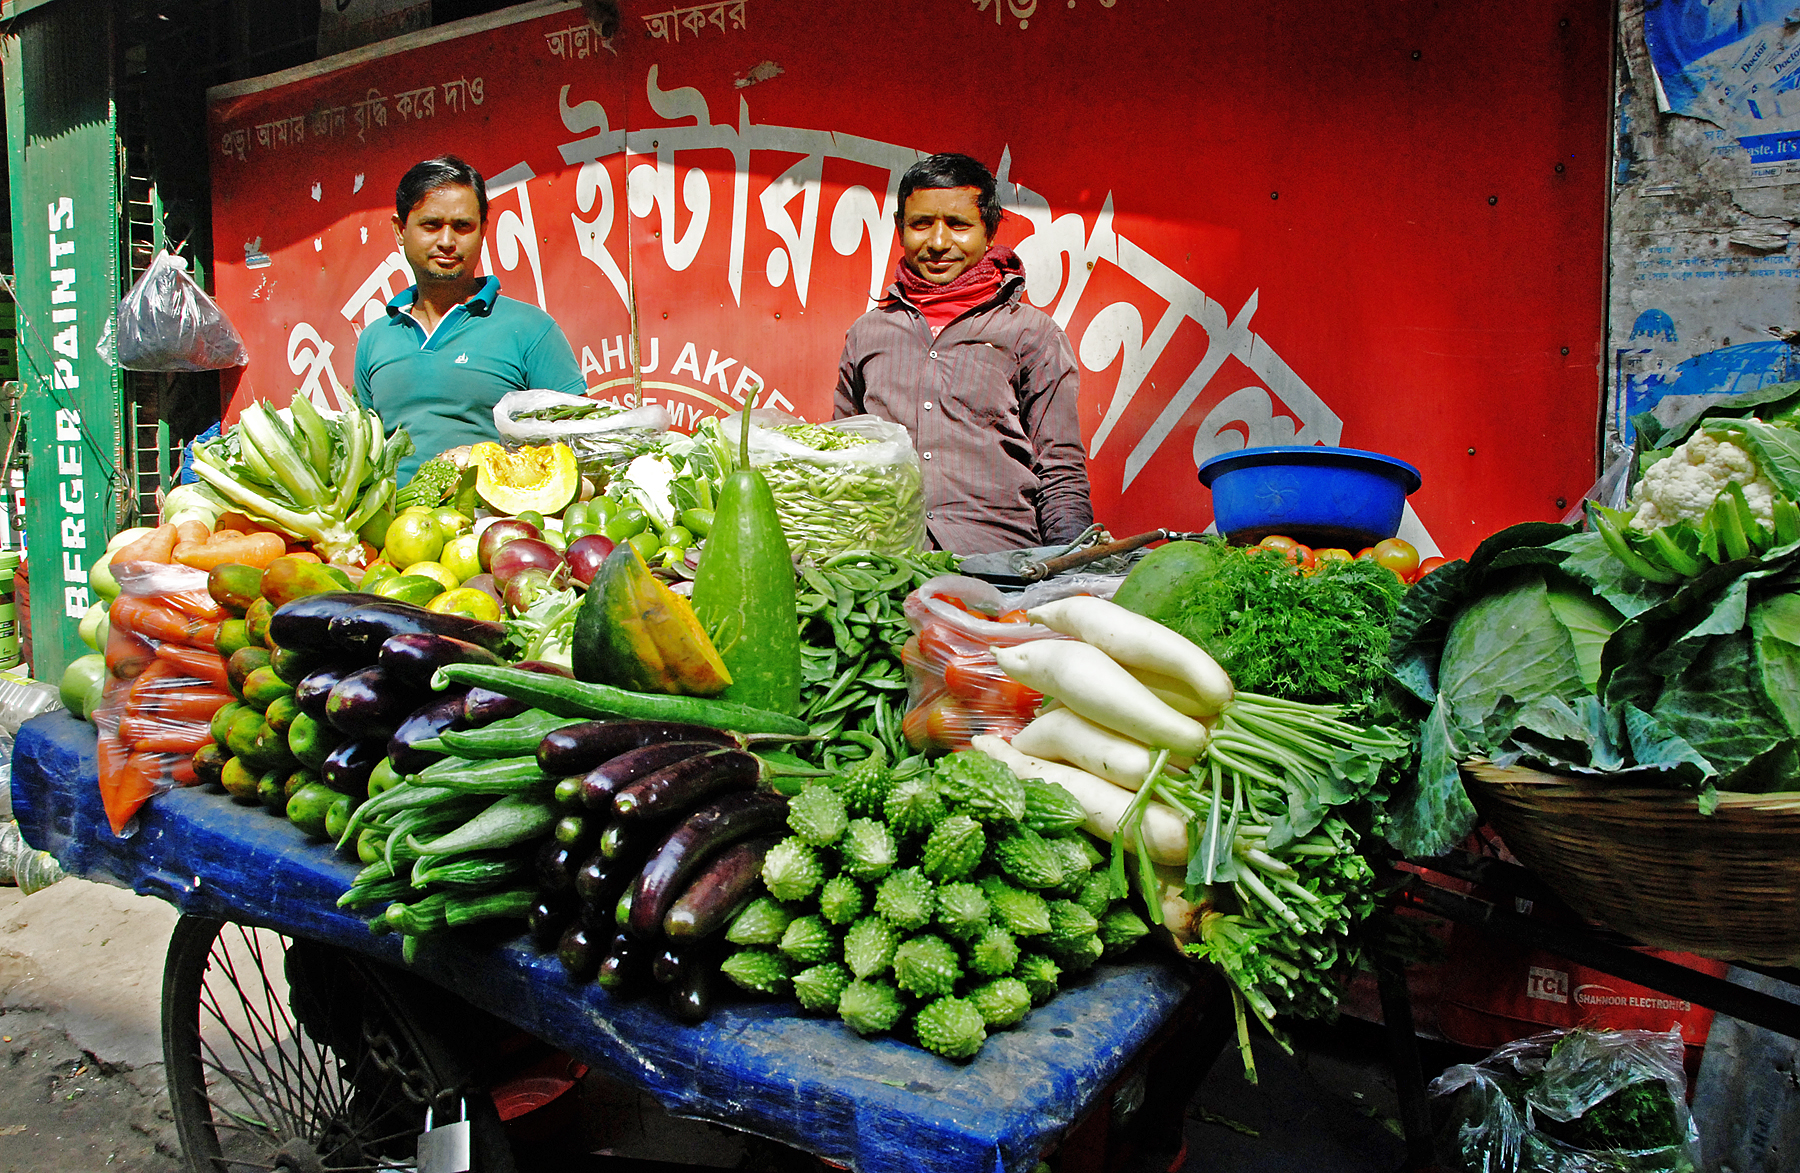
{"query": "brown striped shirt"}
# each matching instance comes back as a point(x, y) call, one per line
point(990, 403)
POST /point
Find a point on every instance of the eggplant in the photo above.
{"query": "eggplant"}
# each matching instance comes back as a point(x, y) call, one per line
point(600, 881)
point(484, 706)
point(370, 703)
point(686, 784)
point(312, 693)
point(576, 749)
point(305, 623)
point(362, 631)
point(414, 656)
point(556, 866)
point(697, 838)
point(548, 919)
point(724, 884)
point(691, 995)
point(626, 967)
point(605, 781)
point(580, 953)
point(426, 722)
point(347, 768)
point(623, 841)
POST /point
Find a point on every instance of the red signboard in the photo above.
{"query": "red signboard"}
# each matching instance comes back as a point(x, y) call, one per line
point(1347, 224)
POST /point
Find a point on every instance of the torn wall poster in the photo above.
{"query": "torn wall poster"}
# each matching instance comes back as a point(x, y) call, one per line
point(1736, 66)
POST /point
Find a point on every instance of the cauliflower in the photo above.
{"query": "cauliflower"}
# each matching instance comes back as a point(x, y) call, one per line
point(1683, 485)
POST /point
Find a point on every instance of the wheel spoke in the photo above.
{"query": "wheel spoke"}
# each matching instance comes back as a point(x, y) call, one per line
point(259, 1025)
point(251, 1059)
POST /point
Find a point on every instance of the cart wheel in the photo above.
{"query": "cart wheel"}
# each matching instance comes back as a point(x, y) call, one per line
point(290, 1055)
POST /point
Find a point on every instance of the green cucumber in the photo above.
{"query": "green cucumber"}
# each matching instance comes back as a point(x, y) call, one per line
point(576, 698)
point(744, 593)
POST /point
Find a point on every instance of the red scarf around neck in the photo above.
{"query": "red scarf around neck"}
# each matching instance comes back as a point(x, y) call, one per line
point(976, 285)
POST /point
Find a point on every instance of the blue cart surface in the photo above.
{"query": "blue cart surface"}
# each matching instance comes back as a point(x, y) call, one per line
point(873, 1105)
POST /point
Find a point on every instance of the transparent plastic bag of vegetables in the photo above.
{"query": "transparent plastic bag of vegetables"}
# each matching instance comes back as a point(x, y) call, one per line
point(852, 484)
point(955, 689)
point(599, 432)
point(165, 681)
point(1577, 1101)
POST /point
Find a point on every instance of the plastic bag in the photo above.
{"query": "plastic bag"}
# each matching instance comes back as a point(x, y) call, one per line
point(955, 690)
point(615, 438)
point(168, 323)
point(1574, 1101)
point(165, 680)
point(868, 496)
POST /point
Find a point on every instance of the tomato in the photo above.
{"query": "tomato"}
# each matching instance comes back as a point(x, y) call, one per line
point(953, 601)
point(1016, 615)
point(1366, 554)
point(1427, 566)
point(1399, 556)
point(1331, 554)
point(1301, 556)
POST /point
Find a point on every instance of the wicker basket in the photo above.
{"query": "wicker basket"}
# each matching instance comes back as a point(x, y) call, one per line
point(1647, 863)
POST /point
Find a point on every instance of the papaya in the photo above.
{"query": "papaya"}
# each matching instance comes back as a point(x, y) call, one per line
point(541, 479)
point(256, 622)
point(234, 586)
point(242, 663)
point(290, 578)
point(633, 632)
point(233, 637)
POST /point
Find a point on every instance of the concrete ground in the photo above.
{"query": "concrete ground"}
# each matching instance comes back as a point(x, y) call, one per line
point(82, 1085)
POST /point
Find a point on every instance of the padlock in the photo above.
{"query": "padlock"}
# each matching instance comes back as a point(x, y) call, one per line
point(449, 1148)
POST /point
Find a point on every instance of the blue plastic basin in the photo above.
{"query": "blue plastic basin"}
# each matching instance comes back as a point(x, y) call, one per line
point(1321, 496)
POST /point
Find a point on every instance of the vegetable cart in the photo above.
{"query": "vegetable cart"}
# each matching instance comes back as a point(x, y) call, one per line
point(292, 1032)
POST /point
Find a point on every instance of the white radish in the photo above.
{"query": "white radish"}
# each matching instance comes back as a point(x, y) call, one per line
point(1064, 735)
point(1165, 832)
point(1087, 680)
point(1174, 693)
point(1137, 641)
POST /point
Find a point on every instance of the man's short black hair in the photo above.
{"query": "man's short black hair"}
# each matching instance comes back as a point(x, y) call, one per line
point(444, 171)
point(950, 170)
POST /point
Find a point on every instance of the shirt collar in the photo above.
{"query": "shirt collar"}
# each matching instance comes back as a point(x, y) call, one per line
point(480, 302)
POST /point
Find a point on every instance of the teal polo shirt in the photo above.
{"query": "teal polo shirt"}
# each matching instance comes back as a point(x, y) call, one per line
point(444, 386)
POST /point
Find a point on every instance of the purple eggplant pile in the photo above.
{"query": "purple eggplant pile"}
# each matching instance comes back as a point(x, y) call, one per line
point(662, 839)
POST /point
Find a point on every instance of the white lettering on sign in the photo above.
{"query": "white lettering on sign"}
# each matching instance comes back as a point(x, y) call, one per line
point(1594, 994)
point(1061, 256)
point(69, 490)
point(1546, 985)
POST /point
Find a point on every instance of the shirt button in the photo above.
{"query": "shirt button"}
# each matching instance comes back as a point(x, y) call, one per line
point(928, 456)
point(934, 354)
point(930, 516)
point(928, 405)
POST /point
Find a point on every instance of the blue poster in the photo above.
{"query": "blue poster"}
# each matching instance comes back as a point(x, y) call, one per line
point(1736, 65)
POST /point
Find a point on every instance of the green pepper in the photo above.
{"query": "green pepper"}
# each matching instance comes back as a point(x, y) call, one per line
point(578, 513)
point(646, 544)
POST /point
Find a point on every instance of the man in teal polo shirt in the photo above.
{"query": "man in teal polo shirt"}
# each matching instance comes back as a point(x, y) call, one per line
point(451, 346)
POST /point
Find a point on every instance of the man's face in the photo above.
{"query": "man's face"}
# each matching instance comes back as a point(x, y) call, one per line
point(441, 236)
point(941, 232)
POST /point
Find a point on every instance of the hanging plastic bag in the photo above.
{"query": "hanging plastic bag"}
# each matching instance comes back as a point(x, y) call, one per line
point(168, 323)
point(1577, 1101)
point(955, 689)
point(852, 484)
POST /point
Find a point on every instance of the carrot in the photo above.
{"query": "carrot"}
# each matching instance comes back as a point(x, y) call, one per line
point(182, 771)
point(208, 666)
point(155, 546)
point(127, 652)
point(194, 604)
point(191, 531)
point(232, 520)
point(150, 735)
point(177, 705)
point(132, 786)
point(256, 550)
point(152, 619)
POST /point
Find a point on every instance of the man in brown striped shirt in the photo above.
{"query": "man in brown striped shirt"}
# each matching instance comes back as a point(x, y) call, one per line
point(986, 384)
